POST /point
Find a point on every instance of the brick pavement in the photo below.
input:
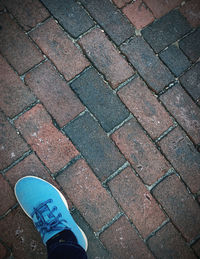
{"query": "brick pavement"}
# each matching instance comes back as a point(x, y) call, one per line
point(102, 99)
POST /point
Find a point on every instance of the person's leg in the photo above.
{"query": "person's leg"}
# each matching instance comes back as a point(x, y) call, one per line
point(48, 209)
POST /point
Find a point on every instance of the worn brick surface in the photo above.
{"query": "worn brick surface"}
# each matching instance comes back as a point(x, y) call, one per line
point(109, 17)
point(7, 196)
point(166, 30)
point(60, 101)
point(59, 48)
point(15, 96)
point(162, 7)
point(184, 110)
point(16, 47)
point(136, 201)
point(27, 12)
point(140, 152)
point(54, 149)
point(70, 15)
point(138, 13)
point(196, 247)
point(100, 99)
point(191, 10)
point(154, 72)
point(95, 247)
point(12, 146)
point(123, 241)
point(18, 232)
point(191, 45)
point(191, 81)
point(183, 156)
point(99, 151)
point(180, 206)
point(145, 107)
point(87, 194)
point(175, 59)
point(106, 59)
point(121, 3)
point(168, 243)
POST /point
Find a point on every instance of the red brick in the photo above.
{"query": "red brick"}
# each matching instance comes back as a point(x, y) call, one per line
point(27, 12)
point(179, 205)
point(121, 3)
point(168, 243)
point(145, 107)
point(184, 157)
point(15, 96)
point(136, 201)
point(60, 101)
point(191, 10)
point(140, 152)
point(87, 194)
point(55, 43)
point(161, 7)
point(53, 148)
point(123, 242)
point(196, 247)
point(16, 47)
point(186, 112)
point(107, 59)
point(7, 196)
point(20, 234)
point(138, 14)
point(12, 145)
point(3, 251)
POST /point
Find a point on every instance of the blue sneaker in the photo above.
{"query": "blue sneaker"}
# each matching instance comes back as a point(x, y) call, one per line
point(48, 209)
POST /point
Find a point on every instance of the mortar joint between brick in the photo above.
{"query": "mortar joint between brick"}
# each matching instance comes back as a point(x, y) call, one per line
point(9, 211)
point(120, 86)
point(195, 240)
point(165, 133)
point(39, 24)
point(156, 230)
point(120, 124)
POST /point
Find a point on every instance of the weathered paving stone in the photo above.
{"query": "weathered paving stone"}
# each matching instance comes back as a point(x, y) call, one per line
point(191, 81)
point(184, 157)
point(97, 148)
point(70, 15)
point(184, 211)
point(174, 58)
point(140, 152)
point(16, 47)
point(191, 45)
point(100, 99)
point(145, 107)
point(54, 93)
point(121, 3)
point(186, 112)
point(142, 57)
point(166, 30)
point(108, 16)
point(168, 243)
point(59, 48)
point(15, 96)
point(95, 247)
point(88, 195)
point(107, 59)
point(28, 13)
point(196, 247)
point(191, 10)
point(12, 146)
point(136, 201)
point(122, 241)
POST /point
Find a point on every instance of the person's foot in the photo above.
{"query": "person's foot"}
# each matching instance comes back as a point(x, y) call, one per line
point(48, 209)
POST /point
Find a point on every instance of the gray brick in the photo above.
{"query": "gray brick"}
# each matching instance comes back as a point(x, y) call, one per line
point(109, 17)
point(154, 72)
point(191, 81)
point(100, 99)
point(191, 45)
point(174, 58)
point(97, 148)
point(70, 15)
point(166, 30)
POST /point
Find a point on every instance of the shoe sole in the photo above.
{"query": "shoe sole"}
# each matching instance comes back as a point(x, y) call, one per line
point(63, 199)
